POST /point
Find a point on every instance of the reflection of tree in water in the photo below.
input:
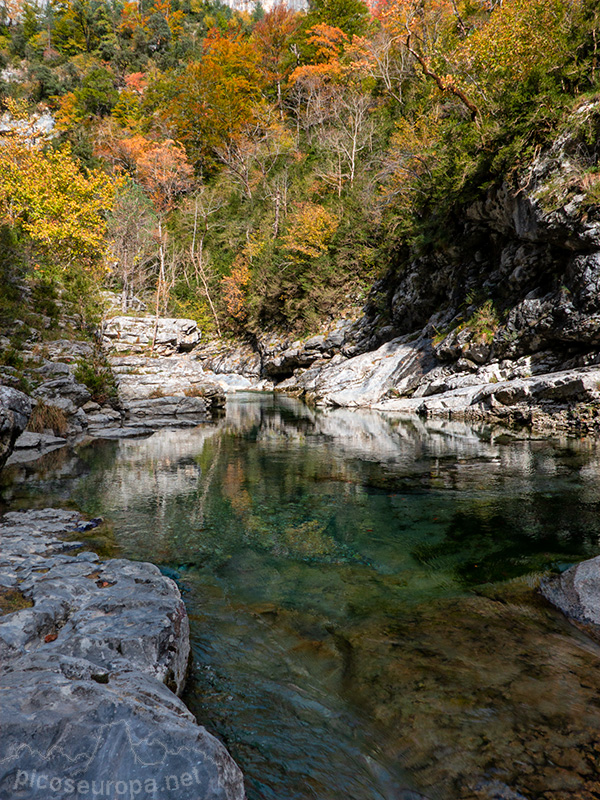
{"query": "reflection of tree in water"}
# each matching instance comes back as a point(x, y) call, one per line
point(492, 541)
point(270, 501)
point(271, 507)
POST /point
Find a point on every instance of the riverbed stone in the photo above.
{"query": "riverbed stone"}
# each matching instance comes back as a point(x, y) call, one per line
point(577, 594)
point(89, 676)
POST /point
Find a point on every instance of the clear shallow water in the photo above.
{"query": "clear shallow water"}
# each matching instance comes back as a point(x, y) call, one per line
point(360, 591)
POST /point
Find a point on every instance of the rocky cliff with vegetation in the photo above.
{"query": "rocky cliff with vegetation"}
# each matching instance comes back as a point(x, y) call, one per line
point(393, 204)
point(472, 324)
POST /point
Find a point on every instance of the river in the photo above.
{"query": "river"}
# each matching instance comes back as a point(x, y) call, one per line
point(361, 590)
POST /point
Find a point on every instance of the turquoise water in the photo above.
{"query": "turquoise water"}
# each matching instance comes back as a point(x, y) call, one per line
point(361, 593)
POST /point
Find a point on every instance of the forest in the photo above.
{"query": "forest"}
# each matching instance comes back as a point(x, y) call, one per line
point(260, 171)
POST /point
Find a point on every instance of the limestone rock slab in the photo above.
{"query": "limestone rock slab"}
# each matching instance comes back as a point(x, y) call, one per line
point(88, 676)
point(135, 334)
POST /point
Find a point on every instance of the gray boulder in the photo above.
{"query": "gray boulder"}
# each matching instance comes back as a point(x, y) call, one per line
point(88, 677)
point(577, 594)
point(63, 392)
point(68, 734)
point(15, 410)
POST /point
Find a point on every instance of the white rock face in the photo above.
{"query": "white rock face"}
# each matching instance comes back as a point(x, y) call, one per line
point(135, 335)
point(365, 379)
point(142, 378)
point(35, 126)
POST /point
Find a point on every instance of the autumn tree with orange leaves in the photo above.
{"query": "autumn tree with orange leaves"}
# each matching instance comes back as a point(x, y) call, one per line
point(236, 136)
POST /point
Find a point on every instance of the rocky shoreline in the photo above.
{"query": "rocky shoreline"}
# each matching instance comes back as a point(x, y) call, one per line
point(502, 324)
point(91, 666)
point(405, 375)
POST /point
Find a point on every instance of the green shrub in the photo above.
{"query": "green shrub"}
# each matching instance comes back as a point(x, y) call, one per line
point(11, 358)
point(99, 379)
point(484, 323)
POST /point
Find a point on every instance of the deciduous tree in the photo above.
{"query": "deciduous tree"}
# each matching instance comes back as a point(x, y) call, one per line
point(47, 196)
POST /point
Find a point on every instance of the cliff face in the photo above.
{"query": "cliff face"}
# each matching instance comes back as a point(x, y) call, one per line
point(516, 295)
point(531, 245)
point(15, 409)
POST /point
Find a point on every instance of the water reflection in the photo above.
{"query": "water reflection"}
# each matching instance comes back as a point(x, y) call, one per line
point(360, 588)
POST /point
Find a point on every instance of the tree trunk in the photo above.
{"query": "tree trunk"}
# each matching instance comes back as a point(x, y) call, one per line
point(198, 262)
point(277, 205)
point(159, 286)
point(443, 86)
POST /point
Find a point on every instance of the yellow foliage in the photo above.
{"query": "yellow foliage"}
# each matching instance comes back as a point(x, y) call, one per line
point(521, 35)
point(47, 196)
point(255, 247)
point(310, 230)
point(411, 144)
point(68, 114)
point(17, 108)
point(128, 110)
point(410, 156)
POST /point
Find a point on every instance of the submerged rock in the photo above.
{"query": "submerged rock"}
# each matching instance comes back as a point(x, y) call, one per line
point(88, 676)
point(577, 594)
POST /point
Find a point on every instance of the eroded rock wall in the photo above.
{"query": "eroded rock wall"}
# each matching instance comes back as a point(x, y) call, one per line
point(480, 328)
point(15, 409)
point(165, 336)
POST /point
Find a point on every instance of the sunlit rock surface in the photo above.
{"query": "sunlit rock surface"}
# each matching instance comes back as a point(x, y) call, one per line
point(138, 334)
point(87, 673)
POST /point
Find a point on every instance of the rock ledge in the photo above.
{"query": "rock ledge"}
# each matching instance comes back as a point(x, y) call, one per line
point(86, 673)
